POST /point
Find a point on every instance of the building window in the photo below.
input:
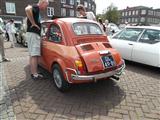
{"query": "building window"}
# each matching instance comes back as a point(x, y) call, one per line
point(136, 20)
point(63, 11)
point(136, 12)
point(151, 20)
point(129, 13)
point(143, 12)
point(133, 12)
point(85, 4)
point(150, 12)
point(122, 13)
point(50, 11)
point(154, 13)
point(89, 5)
point(71, 12)
point(158, 14)
point(156, 20)
point(93, 7)
point(126, 13)
point(63, 1)
point(142, 19)
point(129, 20)
point(78, 1)
point(121, 20)
point(10, 8)
point(71, 2)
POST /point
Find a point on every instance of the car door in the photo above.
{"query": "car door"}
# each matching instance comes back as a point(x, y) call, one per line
point(44, 29)
point(147, 49)
point(52, 47)
point(125, 41)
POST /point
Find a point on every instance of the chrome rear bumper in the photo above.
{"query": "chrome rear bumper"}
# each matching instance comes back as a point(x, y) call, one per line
point(94, 77)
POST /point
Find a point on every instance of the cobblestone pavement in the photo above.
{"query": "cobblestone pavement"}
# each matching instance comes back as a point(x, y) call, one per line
point(135, 97)
point(6, 108)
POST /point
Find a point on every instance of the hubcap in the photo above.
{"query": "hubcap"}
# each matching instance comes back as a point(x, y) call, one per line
point(57, 78)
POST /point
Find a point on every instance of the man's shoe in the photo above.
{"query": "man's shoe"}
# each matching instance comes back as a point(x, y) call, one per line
point(37, 76)
point(6, 60)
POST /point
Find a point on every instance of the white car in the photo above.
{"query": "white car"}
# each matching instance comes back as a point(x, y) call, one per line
point(139, 43)
point(113, 27)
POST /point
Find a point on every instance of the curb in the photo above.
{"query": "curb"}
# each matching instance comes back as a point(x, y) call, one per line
point(6, 108)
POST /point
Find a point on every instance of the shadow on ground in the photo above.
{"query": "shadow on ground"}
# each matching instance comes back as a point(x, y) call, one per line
point(142, 69)
point(87, 100)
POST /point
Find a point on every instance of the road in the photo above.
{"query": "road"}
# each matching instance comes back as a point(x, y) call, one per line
point(135, 97)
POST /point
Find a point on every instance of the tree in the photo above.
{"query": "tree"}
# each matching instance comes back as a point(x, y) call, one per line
point(99, 16)
point(111, 14)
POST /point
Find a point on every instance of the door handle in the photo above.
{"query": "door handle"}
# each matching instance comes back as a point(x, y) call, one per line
point(130, 44)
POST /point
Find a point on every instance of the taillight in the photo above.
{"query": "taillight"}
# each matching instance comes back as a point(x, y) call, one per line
point(80, 67)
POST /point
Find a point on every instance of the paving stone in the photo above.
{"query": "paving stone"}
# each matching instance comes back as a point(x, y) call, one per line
point(135, 97)
point(6, 110)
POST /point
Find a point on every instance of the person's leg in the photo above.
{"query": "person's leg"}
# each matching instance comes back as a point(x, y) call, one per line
point(1, 48)
point(14, 38)
point(3, 55)
point(7, 36)
point(11, 39)
point(34, 51)
point(4, 59)
point(33, 64)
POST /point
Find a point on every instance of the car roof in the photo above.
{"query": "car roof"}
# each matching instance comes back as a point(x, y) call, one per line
point(145, 27)
point(71, 20)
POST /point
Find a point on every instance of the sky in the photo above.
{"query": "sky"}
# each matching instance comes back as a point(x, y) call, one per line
point(122, 4)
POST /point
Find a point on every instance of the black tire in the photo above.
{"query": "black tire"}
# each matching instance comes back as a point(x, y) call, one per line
point(58, 78)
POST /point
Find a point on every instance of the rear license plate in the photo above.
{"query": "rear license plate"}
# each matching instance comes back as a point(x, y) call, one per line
point(108, 61)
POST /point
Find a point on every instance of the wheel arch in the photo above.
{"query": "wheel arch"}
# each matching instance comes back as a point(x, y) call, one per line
point(61, 64)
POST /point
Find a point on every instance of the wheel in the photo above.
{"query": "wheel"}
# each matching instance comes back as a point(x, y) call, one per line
point(18, 39)
point(58, 78)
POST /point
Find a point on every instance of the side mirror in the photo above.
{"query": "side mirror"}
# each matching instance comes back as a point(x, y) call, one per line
point(43, 34)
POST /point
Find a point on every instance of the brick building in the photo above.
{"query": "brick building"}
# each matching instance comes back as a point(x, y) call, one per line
point(140, 15)
point(14, 9)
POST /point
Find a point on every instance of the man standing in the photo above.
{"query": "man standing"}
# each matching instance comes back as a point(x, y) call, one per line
point(11, 32)
point(33, 35)
point(2, 55)
point(83, 14)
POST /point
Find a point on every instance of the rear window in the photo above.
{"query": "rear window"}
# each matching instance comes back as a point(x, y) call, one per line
point(86, 29)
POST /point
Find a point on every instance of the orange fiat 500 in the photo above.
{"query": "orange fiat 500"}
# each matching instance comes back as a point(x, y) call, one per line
point(76, 51)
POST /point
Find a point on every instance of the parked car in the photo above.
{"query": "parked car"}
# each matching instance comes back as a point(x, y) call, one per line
point(76, 50)
point(113, 28)
point(22, 35)
point(139, 43)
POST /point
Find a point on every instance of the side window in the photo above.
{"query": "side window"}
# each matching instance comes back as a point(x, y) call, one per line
point(150, 36)
point(55, 34)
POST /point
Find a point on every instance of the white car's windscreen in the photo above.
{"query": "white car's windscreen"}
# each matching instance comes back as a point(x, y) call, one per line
point(86, 29)
point(130, 34)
